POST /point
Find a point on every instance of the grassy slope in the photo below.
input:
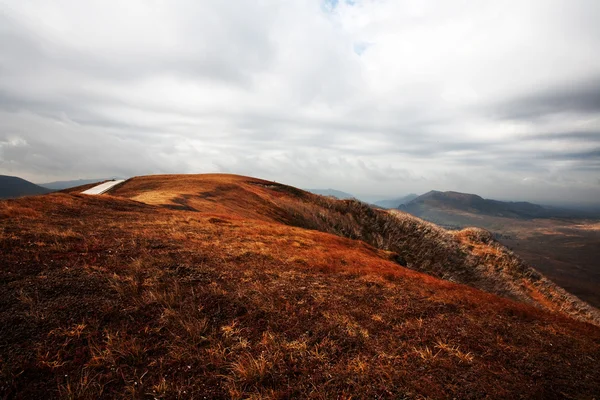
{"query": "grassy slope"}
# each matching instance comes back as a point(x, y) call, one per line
point(564, 250)
point(416, 243)
point(215, 296)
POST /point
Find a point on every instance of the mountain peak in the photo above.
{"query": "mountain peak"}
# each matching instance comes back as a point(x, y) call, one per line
point(475, 204)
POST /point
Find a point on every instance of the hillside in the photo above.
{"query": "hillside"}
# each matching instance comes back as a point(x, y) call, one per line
point(12, 187)
point(223, 286)
point(563, 244)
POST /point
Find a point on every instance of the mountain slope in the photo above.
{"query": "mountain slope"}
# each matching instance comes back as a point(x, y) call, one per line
point(417, 244)
point(208, 286)
point(471, 203)
point(12, 186)
point(561, 243)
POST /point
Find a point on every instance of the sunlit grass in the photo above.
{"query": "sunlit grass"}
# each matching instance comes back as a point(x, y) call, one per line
point(261, 294)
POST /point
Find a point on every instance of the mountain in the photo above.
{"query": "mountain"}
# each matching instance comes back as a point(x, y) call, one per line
point(224, 286)
point(61, 185)
point(12, 186)
point(397, 202)
point(475, 204)
point(331, 192)
point(472, 203)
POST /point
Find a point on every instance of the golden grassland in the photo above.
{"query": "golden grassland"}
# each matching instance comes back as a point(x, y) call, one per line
point(219, 286)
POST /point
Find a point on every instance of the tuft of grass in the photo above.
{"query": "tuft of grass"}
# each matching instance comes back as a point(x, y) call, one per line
point(248, 370)
point(82, 386)
point(455, 351)
point(425, 353)
point(117, 349)
point(35, 308)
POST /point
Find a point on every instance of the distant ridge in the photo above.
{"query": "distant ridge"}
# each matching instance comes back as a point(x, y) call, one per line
point(475, 204)
point(395, 203)
point(338, 194)
point(12, 187)
point(61, 185)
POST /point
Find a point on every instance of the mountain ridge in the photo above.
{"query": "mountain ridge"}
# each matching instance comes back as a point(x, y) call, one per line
point(473, 203)
point(332, 192)
point(68, 184)
point(13, 187)
point(419, 244)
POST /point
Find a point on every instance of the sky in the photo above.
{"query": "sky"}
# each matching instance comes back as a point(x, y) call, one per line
point(373, 97)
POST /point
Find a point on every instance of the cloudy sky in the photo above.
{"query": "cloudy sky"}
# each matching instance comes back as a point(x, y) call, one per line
point(380, 97)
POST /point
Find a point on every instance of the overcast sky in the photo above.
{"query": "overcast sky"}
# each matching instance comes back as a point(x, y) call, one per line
point(380, 97)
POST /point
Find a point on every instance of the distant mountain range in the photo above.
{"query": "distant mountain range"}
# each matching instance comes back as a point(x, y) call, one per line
point(12, 186)
point(435, 206)
point(61, 185)
point(456, 202)
point(332, 192)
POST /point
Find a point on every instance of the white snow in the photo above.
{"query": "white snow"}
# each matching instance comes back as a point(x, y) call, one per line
point(103, 187)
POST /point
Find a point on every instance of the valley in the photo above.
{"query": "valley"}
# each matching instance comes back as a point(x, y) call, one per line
point(565, 248)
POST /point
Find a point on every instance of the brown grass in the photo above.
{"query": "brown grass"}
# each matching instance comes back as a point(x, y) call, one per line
point(231, 301)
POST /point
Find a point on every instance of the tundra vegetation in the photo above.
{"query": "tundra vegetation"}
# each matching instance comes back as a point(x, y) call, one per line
point(221, 286)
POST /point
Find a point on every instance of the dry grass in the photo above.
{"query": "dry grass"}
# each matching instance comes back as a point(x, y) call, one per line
point(519, 280)
point(470, 256)
point(232, 301)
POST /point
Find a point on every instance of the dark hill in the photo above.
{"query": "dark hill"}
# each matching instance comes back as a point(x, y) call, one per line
point(475, 204)
point(12, 187)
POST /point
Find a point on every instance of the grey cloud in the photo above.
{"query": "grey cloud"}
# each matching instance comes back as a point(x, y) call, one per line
point(277, 90)
point(593, 155)
point(578, 98)
point(233, 50)
point(565, 137)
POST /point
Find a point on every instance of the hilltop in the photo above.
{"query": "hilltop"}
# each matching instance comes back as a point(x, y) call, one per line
point(12, 186)
point(226, 286)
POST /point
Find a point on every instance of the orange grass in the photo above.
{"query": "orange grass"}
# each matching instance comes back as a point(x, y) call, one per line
point(218, 296)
